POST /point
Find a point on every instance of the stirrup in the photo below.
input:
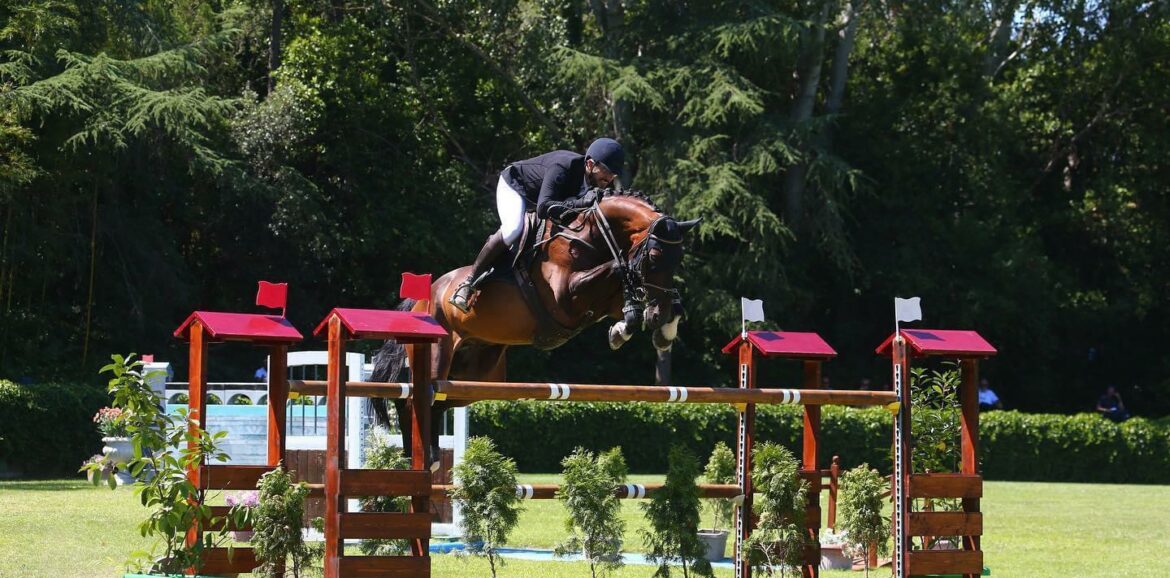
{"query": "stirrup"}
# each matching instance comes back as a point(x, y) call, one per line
point(461, 298)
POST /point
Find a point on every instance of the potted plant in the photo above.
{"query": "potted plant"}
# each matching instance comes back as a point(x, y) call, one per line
point(778, 542)
point(97, 467)
point(673, 513)
point(595, 524)
point(117, 447)
point(860, 503)
point(485, 488)
point(720, 470)
point(174, 502)
point(276, 526)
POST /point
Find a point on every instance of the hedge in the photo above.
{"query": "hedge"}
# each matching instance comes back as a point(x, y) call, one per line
point(47, 429)
point(1013, 445)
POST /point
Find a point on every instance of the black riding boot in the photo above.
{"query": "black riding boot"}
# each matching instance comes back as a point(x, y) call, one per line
point(492, 248)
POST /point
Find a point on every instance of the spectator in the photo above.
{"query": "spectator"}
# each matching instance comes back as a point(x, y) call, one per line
point(1111, 406)
point(987, 398)
point(261, 374)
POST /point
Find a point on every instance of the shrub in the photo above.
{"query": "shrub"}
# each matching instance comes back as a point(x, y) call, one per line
point(595, 524)
point(860, 512)
point(486, 491)
point(26, 448)
point(721, 470)
point(276, 525)
point(673, 513)
point(381, 455)
point(779, 539)
point(1013, 445)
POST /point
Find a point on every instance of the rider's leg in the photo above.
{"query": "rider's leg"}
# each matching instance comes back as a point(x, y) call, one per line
point(510, 207)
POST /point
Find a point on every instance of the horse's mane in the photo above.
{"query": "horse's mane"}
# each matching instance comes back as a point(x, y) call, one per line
point(631, 194)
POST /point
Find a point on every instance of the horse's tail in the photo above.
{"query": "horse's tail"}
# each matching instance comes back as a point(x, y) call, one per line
point(388, 362)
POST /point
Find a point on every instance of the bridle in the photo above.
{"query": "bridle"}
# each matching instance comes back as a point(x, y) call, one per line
point(632, 270)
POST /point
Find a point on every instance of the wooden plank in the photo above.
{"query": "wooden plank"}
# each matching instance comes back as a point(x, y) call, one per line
point(946, 486)
point(946, 524)
point(233, 477)
point(386, 566)
point(277, 400)
point(814, 479)
point(924, 562)
point(334, 448)
point(386, 483)
point(216, 561)
point(385, 525)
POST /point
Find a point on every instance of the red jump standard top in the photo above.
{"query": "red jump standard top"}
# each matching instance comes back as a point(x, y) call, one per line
point(792, 344)
point(403, 326)
point(942, 342)
point(241, 327)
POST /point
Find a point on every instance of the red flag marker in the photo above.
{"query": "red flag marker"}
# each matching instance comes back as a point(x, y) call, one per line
point(273, 295)
point(416, 287)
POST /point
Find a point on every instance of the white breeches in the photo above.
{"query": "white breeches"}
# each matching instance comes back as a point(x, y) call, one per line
point(510, 206)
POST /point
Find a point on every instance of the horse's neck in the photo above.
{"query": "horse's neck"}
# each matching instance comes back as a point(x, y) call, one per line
point(582, 276)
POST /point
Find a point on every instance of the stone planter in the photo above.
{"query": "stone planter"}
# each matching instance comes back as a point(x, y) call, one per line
point(833, 558)
point(716, 542)
point(119, 450)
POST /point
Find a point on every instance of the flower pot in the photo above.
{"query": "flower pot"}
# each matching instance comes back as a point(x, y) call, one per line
point(716, 542)
point(119, 450)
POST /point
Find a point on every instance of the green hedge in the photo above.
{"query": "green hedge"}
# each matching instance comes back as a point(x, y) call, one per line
point(47, 429)
point(1014, 446)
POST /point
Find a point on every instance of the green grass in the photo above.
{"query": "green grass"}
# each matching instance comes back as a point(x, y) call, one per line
point(66, 528)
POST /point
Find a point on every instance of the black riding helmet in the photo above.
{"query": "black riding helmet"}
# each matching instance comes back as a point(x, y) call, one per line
point(609, 153)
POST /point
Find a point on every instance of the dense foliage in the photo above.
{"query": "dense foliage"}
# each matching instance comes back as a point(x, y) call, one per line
point(1005, 160)
point(1013, 445)
point(26, 410)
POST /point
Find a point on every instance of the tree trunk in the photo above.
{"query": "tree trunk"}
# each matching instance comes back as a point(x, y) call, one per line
point(274, 39)
point(1003, 17)
point(611, 19)
point(809, 73)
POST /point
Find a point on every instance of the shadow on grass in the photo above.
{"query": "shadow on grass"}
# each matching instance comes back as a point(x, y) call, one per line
point(47, 485)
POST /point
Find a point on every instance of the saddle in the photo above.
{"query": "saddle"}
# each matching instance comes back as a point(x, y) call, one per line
point(513, 267)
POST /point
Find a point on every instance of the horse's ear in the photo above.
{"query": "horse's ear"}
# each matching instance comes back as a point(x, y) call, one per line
point(688, 225)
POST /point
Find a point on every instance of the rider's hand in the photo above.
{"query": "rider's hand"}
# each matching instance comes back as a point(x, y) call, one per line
point(587, 199)
point(559, 213)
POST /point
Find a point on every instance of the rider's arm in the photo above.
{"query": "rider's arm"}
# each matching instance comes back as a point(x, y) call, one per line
point(550, 189)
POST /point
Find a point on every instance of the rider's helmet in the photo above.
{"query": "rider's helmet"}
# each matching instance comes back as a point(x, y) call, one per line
point(609, 153)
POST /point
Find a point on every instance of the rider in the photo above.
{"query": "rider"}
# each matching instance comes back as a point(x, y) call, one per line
point(551, 184)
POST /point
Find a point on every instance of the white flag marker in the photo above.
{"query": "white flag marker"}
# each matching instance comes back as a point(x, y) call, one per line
point(753, 310)
point(906, 310)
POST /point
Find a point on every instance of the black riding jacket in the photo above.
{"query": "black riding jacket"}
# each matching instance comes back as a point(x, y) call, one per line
point(547, 179)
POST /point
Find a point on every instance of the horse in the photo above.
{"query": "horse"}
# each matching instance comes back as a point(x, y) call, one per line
point(616, 259)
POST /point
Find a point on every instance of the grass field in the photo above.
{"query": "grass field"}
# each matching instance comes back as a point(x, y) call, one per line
point(67, 528)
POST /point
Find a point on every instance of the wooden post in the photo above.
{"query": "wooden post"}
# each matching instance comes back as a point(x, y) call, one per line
point(196, 404)
point(811, 443)
point(277, 400)
point(901, 477)
point(969, 402)
point(422, 398)
point(744, 444)
point(334, 449)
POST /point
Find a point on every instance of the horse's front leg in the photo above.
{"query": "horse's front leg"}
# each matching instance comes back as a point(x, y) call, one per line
point(619, 334)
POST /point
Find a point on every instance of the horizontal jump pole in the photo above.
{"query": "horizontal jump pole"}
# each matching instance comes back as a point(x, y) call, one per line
point(484, 390)
point(392, 390)
point(441, 492)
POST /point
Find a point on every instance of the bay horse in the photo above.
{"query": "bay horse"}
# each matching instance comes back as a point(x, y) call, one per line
point(615, 260)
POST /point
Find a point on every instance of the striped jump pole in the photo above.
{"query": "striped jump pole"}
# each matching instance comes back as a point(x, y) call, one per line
point(441, 492)
point(471, 391)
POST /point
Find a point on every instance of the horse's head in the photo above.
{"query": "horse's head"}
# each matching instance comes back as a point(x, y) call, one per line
point(651, 244)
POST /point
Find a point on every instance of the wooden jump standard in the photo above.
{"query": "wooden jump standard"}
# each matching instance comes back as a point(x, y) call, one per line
point(342, 325)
